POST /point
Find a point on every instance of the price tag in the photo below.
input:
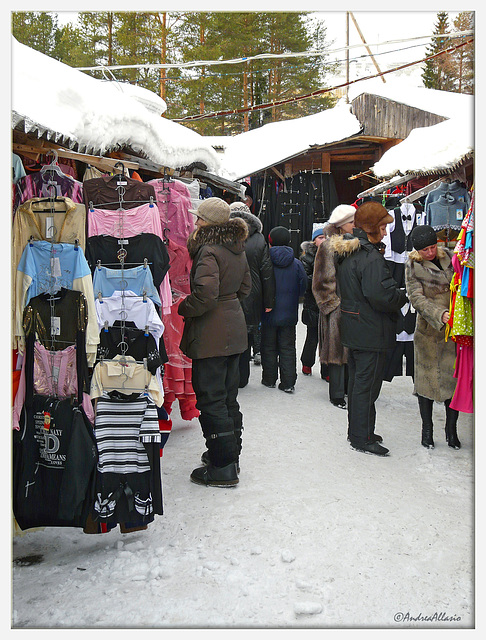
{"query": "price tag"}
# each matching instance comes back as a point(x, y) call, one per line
point(55, 267)
point(47, 420)
point(55, 326)
point(49, 226)
point(459, 214)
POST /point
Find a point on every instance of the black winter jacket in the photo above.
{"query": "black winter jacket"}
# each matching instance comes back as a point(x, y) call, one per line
point(370, 297)
point(262, 294)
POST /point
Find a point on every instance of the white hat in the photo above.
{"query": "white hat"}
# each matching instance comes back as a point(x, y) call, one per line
point(341, 214)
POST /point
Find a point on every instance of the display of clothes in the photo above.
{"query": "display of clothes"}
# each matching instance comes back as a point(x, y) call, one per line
point(98, 269)
point(460, 327)
point(398, 244)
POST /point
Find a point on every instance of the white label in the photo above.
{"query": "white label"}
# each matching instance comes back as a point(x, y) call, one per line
point(55, 267)
point(55, 326)
point(458, 214)
point(49, 227)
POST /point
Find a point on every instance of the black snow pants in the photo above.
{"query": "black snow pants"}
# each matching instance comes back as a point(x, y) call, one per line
point(215, 383)
point(279, 355)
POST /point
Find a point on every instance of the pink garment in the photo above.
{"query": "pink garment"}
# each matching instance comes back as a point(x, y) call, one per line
point(165, 294)
point(464, 371)
point(174, 201)
point(63, 362)
point(36, 185)
point(125, 223)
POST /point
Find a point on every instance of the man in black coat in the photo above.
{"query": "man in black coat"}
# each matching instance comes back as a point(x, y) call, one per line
point(262, 295)
point(370, 301)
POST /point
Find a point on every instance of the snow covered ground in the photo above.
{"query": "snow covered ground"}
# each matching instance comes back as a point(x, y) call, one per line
point(315, 535)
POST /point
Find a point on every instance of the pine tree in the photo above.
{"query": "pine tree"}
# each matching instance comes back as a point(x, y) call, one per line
point(36, 29)
point(463, 58)
point(438, 71)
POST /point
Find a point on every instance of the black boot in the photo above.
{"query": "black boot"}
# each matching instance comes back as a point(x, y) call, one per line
point(216, 476)
point(451, 426)
point(426, 407)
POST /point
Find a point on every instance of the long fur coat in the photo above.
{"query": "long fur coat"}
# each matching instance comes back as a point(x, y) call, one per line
point(428, 289)
point(324, 288)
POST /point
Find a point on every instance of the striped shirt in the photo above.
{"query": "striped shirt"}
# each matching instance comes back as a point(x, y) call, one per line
point(121, 428)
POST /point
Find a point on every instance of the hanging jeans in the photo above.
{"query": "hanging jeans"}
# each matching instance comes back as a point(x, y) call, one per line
point(215, 382)
point(364, 386)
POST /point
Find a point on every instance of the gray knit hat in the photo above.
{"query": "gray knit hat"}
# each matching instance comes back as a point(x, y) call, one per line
point(213, 211)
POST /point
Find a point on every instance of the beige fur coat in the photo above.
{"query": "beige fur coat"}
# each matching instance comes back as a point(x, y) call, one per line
point(428, 289)
point(324, 288)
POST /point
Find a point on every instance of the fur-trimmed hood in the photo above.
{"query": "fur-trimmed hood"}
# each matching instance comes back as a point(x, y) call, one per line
point(344, 245)
point(308, 247)
point(254, 223)
point(231, 234)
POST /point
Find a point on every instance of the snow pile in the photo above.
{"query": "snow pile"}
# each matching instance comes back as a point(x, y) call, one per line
point(315, 535)
point(100, 115)
point(254, 150)
point(429, 149)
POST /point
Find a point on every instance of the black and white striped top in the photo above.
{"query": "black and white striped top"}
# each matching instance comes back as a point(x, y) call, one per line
point(121, 428)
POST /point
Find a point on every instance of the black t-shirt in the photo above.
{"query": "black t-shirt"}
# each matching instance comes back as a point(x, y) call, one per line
point(144, 246)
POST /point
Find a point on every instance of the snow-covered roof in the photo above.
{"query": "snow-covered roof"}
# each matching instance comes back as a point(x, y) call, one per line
point(62, 104)
point(266, 146)
point(442, 103)
point(439, 148)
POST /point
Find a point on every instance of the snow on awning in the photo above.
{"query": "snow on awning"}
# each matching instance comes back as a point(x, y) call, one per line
point(276, 142)
point(438, 149)
point(56, 102)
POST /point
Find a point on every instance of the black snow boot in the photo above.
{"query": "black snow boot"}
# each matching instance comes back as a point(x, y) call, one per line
point(451, 426)
point(426, 408)
point(373, 448)
point(216, 476)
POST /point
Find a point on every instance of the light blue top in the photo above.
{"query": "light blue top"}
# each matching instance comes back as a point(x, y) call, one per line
point(52, 266)
point(137, 279)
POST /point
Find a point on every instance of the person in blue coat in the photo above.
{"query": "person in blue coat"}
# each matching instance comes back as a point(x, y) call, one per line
point(278, 350)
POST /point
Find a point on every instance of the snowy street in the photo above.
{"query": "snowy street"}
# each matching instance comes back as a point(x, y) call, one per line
point(315, 535)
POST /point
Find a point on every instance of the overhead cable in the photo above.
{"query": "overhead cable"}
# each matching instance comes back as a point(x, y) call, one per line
point(278, 103)
point(262, 56)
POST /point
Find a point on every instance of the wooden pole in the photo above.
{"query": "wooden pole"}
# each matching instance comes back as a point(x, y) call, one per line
point(365, 44)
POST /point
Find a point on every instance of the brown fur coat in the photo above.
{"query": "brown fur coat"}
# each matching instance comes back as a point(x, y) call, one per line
point(428, 289)
point(324, 288)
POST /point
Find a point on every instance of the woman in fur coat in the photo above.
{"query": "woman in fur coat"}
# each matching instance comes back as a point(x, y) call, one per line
point(428, 273)
point(215, 335)
point(324, 287)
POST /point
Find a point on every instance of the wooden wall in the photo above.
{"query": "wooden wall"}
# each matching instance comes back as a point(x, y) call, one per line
point(390, 119)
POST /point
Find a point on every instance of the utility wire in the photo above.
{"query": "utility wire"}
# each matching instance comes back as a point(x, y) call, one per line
point(261, 56)
point(278, 103)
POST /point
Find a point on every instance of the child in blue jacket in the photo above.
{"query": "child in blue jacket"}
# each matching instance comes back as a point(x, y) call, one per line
point(278, 349)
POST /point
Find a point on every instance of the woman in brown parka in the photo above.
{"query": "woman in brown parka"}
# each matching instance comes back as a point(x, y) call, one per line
point(215, 335)
point(428, 273)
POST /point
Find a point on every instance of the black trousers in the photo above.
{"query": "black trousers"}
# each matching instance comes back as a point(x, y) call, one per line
point(279, 357)
point(366, 370)
point(308, 355)
point(337, 381)
point(215, 383)
point(254, 339)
